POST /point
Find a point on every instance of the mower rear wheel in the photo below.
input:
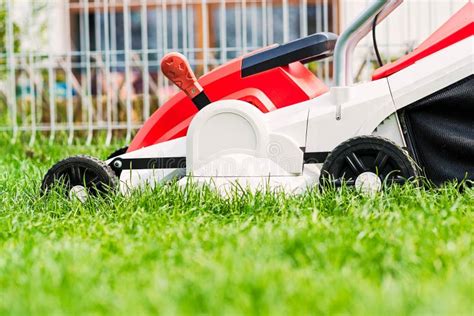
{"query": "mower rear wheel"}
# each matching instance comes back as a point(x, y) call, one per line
point(368, 163)
point(81, 177)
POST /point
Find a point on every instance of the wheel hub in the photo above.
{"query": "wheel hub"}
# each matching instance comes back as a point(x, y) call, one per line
point(368, 182)
point(78, 192)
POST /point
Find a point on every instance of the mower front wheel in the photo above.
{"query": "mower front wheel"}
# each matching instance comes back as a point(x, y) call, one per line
point(80, 177)
point(368, 163)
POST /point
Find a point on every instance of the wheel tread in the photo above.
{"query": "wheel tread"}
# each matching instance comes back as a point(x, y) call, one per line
point(49, 177)
point(335, 153)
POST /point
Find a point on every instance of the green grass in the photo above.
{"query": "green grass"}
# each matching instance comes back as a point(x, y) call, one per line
point(169, 251)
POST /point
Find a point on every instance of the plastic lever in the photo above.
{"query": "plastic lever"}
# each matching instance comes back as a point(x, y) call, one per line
point(176, 68)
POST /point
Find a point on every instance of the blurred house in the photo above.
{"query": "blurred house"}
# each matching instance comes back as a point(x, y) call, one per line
point(207, 32)
point(213, 31)
point(189, 23)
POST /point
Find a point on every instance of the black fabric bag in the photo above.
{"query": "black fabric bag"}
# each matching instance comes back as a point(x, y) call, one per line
point(441, 132)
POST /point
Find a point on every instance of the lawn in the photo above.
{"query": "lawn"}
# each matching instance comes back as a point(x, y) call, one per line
point(168, 251)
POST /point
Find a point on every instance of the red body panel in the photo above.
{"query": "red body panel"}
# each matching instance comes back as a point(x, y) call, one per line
point(458, 27)
point(268, 90)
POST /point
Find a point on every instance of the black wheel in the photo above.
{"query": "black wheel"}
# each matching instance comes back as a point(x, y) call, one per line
point(80, 177)
point(118, 152)
point(368, 162)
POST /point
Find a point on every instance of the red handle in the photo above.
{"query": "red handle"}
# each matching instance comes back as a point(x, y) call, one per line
point(176, 68)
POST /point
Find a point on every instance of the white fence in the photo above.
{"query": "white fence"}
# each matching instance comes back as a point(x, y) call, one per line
point(81, 68)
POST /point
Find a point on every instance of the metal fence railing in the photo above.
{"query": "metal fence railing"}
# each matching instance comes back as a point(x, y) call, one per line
point(79, 68)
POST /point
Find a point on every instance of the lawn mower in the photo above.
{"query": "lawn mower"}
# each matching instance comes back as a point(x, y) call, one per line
point(266, 120)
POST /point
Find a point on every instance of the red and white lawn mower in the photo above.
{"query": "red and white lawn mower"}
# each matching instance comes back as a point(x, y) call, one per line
point(265, 120)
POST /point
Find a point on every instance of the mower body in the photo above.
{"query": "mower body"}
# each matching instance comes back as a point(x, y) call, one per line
point(424, 103)
point(265, 121)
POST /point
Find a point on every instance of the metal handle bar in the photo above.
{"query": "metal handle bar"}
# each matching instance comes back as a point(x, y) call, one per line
point(357, 30)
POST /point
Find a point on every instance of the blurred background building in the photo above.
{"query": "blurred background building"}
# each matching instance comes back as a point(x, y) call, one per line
point(82, 67)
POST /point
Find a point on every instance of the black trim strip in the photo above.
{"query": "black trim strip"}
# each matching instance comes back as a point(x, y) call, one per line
point(315, 157)
point(406, 127)
point(149, 163)
point(201, 100)
point(180, 162)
